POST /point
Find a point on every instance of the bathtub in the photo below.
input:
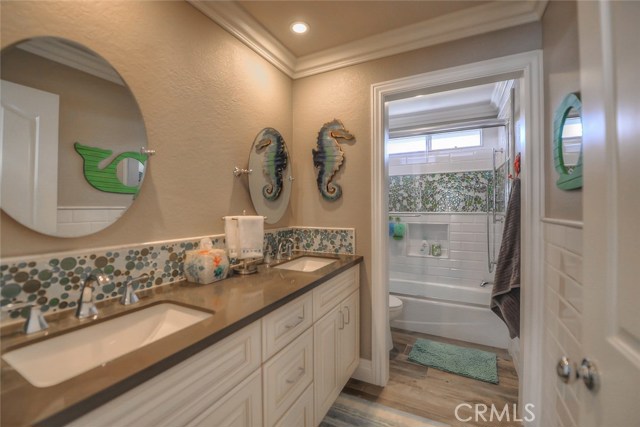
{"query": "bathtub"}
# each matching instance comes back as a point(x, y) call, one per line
point(451, 311)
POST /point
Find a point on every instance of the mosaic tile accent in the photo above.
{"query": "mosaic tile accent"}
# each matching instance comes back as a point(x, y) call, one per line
point(440, 192)
point(501, 188)
point(53, 281)
point(273, 237)
point(327, 240)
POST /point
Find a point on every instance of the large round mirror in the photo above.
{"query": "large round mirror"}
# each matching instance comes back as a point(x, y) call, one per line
point(270, 178)
point(567, 139)
point(72, 135)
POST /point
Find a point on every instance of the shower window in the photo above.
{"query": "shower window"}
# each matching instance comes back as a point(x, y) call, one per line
point(409, 145)
point(455, 140)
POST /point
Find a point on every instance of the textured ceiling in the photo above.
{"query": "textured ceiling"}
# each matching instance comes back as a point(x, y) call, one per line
point(335, 23)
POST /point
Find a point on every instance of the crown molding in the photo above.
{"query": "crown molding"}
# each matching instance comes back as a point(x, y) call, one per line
point(501, 96)
point(244, 27)
point(465, 23)
point(445, 115)
point(72, 56)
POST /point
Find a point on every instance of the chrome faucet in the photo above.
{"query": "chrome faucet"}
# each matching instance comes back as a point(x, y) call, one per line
point(129, 296)
point(35, 319)
point(86, 307)
point(485, 283)
point(288, 249)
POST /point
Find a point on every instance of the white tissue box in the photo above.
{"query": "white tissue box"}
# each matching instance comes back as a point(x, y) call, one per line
point(206, 265)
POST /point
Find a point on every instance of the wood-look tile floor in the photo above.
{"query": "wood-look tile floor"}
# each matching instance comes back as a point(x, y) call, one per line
point(434, 394)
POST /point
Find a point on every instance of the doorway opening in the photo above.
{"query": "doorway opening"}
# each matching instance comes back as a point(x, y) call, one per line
point(526, 73)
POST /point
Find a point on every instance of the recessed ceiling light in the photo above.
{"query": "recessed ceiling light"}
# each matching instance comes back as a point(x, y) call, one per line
point(299, 27)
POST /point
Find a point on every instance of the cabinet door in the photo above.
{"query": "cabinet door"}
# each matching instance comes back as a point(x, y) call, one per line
point(349, 343)
point(326, 363)
point(241, 407)
point(301, 413)
point(286, 376)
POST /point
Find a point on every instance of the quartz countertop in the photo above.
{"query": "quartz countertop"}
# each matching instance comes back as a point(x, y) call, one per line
point(236, 302)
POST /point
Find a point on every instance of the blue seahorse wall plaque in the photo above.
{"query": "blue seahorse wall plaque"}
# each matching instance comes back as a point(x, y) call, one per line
point(106, 179)
point(328, 157)
point(276, 158)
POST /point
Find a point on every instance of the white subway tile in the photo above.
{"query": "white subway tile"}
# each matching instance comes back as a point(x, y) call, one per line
point(65, 216)
point(89, 215)
point(74, 228)
point(468, 256)
point(571, 291)
point(97, 226)
point(573, 240)
point(463, 237)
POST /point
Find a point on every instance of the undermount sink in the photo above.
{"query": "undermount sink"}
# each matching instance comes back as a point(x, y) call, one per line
point(58, 359)
point(306, 263)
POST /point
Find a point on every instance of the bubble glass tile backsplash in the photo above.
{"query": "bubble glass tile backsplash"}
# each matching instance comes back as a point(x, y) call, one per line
point(53, 281)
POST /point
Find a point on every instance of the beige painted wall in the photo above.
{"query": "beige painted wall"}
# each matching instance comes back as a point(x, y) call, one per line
point(93, 112)
point(203, 95)
point(561, 76)
point(345, 94)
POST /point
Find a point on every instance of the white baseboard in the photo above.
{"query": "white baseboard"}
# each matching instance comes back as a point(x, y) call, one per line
point(364, 371)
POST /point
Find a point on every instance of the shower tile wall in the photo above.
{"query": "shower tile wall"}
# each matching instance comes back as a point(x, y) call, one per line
point(446, 188)
point(466, 261)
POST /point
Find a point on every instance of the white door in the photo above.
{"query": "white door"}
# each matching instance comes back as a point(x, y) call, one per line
point(610, 86)
point(29, 147)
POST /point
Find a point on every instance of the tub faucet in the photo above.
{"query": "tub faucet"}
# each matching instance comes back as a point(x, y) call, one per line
point(485, 283)
point(86, 306)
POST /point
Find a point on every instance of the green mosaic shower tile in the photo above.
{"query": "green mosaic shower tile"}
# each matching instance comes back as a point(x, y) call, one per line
point(440, 192)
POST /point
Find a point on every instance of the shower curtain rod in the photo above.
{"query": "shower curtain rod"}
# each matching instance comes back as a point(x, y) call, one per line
point(429, 130)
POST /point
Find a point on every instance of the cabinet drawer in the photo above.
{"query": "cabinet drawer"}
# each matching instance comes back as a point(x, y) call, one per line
point(286, 376)
point(241, 407)
point(168, 398)
point(282, 326)
point(301, 413)
point(329, 294)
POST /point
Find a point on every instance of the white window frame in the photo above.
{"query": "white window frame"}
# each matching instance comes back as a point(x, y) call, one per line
point(430, 148)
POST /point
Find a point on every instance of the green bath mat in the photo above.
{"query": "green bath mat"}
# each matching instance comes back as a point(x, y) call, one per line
point(468, 362)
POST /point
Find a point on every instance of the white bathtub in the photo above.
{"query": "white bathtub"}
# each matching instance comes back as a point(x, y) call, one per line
point(457, 312)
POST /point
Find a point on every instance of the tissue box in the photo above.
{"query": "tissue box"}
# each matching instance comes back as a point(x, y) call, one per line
point(206, 265)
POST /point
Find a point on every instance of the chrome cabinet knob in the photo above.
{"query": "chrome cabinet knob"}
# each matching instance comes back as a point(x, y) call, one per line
point(565, 370)
point(589, 374)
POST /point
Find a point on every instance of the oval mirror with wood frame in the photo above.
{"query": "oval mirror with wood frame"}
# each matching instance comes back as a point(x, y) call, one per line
point(72, 134)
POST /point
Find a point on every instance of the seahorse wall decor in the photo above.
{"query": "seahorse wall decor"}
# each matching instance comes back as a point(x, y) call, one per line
point(328, 157)
point(276, 158)
point(106, 179)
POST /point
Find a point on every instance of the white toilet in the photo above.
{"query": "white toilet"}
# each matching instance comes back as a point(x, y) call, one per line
point(395, 311)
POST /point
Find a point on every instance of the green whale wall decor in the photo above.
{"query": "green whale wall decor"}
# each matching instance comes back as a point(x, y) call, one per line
point(106, 179)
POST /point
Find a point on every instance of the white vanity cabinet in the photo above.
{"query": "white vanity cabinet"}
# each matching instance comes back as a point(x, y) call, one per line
point(284, 370)
point(182, 393)
point(336, 338)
